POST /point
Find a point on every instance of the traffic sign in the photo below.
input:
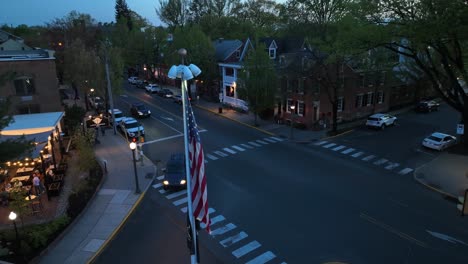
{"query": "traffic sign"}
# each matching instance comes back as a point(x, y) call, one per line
point(460, 129)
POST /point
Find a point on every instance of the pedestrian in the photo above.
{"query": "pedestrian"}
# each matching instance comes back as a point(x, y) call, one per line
point(39, 189)
point(103, 130)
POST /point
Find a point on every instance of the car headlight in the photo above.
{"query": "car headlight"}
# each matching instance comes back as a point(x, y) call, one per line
point(149, 112)
point(140, 113)
point(182, 182)
point(165, 182)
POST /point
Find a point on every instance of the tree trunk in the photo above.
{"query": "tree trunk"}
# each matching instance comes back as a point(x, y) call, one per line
point(335, 116)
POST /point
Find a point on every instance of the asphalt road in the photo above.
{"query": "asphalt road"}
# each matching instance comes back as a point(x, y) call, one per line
point(301, 203)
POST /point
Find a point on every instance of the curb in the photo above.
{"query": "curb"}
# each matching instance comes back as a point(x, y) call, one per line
point(235, 120)
point(429, 186)
point(338, 135)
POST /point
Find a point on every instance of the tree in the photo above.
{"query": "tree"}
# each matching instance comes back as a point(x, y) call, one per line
point(429, 33)
point(257, 81)
point(122, 12)
point(175, 13)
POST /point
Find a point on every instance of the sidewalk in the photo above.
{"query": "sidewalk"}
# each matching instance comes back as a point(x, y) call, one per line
point(108, 209)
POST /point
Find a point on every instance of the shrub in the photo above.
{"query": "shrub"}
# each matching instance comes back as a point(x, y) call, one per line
point(83, 192)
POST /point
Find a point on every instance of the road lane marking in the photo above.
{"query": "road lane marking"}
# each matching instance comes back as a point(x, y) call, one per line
point(157, 185)
point(162, 139)
point(321, 143)
point(380, 162)
point(392, 166)
point(238, 148)
point(177, 194)
point(181, 201)
point(246, 249)
point(263, 258)
point(162, 191)
point(221, 154)
point(211, 157)
point(329, 145)
point(339, 147)
point(358, 154)
point(368, 158)
point(184, 209)
point(393, 230)
point(254, 144)
point(405, 171)
point(246, 146)
point(261, 142)
point(211, 210)
point(446, 238)
point(348, 151)
point(160, 177)
point(229, 150)
point(277, 139)
point(223, 230)
point(217, 219)
point(270, 140)
point(233, 239)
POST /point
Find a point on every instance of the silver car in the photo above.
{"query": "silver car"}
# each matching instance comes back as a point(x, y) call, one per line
point(381, 121)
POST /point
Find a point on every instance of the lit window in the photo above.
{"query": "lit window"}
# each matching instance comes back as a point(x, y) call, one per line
point(289, 102)
point(229, 91)
point(24, 86)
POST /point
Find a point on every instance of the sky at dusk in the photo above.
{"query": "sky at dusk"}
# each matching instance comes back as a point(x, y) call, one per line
point(39, 12)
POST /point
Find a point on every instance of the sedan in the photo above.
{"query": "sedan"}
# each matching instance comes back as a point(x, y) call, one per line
point(381, 121)
point(167, 93)
point(139, 110)
point(439, 141)
point(152, 88)
point(427, 106)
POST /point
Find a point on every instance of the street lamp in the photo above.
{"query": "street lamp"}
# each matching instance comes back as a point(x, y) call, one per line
point(133, 147)
point(12, 217)
point(292, 107)
point(185, 73)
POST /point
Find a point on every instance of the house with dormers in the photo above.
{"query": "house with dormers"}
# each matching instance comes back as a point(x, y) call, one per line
point(34, 87)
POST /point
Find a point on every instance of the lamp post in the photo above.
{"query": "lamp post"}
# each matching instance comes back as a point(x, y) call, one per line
point(292, 107)
point(185, 73)
point(133, 147)
point(42, 162)
point(51, 140)
point(12, 217)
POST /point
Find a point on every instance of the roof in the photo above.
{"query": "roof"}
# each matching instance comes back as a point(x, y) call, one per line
point(32, 124)
point(439, 135)
point(224, 48)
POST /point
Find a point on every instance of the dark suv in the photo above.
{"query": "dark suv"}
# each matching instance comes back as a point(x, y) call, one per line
point(427, 106)
point(174, 176)
point(139, 110)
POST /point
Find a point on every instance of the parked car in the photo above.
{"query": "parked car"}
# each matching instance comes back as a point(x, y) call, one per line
point(174, 175)
point(96, 102)
point(131, 128)
point(427, 106)
point(167, 93)
point(439, 141)
point(134, 80)
point(139, 110)
point(117, 114)
point(177, 98)
point(381, 121)
point(142, 85)
point(152, 88)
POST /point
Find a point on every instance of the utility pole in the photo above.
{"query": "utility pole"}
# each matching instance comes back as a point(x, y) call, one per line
point(109, 90)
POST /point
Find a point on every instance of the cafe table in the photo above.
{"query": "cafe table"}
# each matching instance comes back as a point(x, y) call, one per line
point(24, 170)
point(20, 178)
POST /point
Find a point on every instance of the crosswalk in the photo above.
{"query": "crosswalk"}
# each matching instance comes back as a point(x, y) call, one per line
point(363, 156)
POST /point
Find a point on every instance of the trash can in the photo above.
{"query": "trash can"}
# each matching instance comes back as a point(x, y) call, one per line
point(220, 110)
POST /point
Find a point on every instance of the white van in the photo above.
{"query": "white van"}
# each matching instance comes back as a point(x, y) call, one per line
point(117, 114)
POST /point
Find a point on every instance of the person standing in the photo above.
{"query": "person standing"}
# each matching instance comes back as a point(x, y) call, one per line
point(39, 189)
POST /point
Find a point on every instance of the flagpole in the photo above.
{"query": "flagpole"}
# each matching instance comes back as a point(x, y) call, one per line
point(194, 257)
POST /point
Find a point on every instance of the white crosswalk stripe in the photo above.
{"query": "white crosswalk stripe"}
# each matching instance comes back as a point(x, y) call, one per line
point(338, 148)
point(157, 185)
point(262, 259)
point(368, 158)
point(405, 171)
point(237, 148)
point(223, 230)
point(347, 151)
point(269, 140)
point(162, 191)
point(221, 154)
point(217, 219)
point(246, 249)
point(254, 144)
point(392, 165)
point(277, 139)
point(246, 146)
point(184, 209)
point(380, 162)
point(160, 177)
point(233, 239)
point(211, 210)
point(211, 157)
point(181, 201)
point(176, 194)
point(261, 142)
point(329, 145)
point(358, 154)
point(229, 150)
point(321, 143)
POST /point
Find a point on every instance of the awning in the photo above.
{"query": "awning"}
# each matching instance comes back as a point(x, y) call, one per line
point(32, 124)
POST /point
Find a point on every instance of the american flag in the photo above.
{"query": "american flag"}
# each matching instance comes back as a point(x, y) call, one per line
point(197, 169)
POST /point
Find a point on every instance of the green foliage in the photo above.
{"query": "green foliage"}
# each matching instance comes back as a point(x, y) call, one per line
point(257, 81)
point(73, 116)
point(84, 145)
point(83, 192)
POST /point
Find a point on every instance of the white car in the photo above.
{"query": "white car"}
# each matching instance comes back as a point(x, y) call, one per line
point(439, 141)
point(152, 88)
point(131, 128)
point(117, 114)
point(134, 80)
point(381, 121)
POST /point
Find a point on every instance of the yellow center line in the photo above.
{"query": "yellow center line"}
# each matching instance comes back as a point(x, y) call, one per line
point(393, 230)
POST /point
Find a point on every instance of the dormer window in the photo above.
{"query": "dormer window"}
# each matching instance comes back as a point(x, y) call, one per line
point(272, 53)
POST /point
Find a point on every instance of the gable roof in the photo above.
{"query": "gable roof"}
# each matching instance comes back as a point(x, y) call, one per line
point(224, 48)
point(4, 36)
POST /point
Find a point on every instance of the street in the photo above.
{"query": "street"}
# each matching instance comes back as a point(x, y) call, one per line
point(273, 200)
